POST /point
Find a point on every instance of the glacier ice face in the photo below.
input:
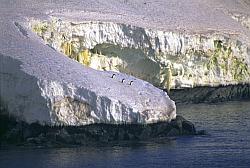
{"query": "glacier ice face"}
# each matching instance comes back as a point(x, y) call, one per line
point(41, 85)
point(195, 59)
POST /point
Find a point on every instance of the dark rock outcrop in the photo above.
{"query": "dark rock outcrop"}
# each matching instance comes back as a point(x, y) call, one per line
point(14, 132)
point(211, 94)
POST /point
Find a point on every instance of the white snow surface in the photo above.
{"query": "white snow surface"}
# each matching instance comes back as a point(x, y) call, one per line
point(39, 84)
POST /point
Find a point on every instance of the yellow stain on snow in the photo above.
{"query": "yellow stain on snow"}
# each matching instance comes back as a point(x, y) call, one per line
point(84, 57)
point(67, 48)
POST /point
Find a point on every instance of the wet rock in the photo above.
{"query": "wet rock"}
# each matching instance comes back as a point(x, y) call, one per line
point(188, 128)
point(63, 136)
point(13, 136)
point(174, 132)
point(36, 140)
point(177, 124)
point(182, 127)
point(145, 133)
point(211, 94)
point(95, 133)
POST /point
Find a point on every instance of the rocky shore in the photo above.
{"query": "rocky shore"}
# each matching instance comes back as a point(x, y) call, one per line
point(19, 133)
point(211, 94)
point(46, 52)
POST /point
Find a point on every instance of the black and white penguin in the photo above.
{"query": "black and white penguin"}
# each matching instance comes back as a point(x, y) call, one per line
point(130, 83)
point(123, 80)
point(113, 76)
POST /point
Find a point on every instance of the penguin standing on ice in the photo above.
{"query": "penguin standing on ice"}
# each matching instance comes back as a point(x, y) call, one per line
point(167, 82)
point(130, 83)
point(123, 80)
point(113, 76)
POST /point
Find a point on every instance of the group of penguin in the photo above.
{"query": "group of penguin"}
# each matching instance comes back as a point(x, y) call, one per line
point(123, 80)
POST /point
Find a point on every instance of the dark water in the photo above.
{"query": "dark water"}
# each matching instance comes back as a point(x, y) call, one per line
point(228, 145)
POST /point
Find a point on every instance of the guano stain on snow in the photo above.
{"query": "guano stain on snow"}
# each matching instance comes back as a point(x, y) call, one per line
point(195, 59)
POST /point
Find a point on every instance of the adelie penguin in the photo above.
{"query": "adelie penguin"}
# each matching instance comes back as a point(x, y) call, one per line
point(113, 76)
point(123, 80)
point(130, 83)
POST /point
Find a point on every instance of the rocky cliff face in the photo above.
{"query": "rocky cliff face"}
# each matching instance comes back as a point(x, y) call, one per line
point(168, 59)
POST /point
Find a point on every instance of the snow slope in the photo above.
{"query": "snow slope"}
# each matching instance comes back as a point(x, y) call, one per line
point(39, 84)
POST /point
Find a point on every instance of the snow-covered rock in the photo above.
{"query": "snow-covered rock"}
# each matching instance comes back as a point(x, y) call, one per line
point(41, 85)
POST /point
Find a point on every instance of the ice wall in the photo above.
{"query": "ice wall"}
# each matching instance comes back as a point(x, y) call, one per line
point(38, 84)
point(211, 59)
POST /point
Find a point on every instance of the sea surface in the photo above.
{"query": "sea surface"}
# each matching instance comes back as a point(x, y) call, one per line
point(226, 145)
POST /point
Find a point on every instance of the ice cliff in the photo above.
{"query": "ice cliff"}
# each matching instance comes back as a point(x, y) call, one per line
point(41, 85)
point(169, 44)
point(214, 58)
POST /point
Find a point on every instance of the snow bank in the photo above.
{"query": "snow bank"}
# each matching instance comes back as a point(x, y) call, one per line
point(41, 85)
